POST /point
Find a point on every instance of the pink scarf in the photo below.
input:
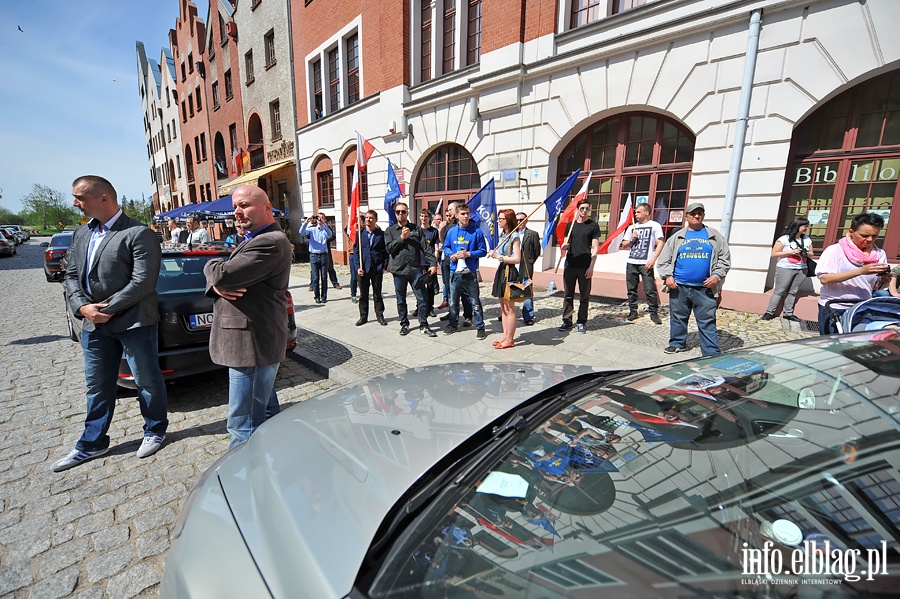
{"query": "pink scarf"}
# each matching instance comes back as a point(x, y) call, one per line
point(856, 256)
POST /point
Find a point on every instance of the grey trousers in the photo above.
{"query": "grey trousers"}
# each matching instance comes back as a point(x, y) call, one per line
point(787, 282)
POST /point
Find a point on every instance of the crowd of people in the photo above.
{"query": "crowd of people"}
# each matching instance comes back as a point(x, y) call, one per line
point(115, 261)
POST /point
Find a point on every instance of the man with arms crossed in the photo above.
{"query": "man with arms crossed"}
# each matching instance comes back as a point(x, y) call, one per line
point(249, 330)
point(645, 240)
point(110, 283)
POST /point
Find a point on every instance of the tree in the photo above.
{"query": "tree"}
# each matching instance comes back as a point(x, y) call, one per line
point(48, 206)
point(141, 210)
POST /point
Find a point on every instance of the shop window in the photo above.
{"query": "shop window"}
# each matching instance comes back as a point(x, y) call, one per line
point(845, 159)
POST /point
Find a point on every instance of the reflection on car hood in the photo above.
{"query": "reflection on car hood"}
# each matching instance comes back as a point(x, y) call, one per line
point(311, 487)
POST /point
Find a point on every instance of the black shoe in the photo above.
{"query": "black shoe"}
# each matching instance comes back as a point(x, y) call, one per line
point(354, 299)
point(445, 316)
point(529, 323)
point(767, 316)
point(675, 350)
point(382, 321)
point(324, 300)
point(655, 319)
point(467, 321)
point(404, 329)
point(450, 329)
point(481, 334)
point(632, 315)
point(431, 314)
point(565, 326)
point(361, 322)
point(337, 286)
point(500, 318)
point(318, 301)
point(792, 318)
point(428, 332)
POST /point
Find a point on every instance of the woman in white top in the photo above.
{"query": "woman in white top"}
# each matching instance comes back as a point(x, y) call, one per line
point(852, 267)
point(791, 250)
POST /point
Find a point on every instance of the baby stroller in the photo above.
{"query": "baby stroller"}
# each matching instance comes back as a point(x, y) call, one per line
point(866, 315)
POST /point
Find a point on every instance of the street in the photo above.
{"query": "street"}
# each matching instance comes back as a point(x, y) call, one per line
point(101, 529)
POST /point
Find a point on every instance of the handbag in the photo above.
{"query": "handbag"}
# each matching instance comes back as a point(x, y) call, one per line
point(518, 289)
point(810, 267)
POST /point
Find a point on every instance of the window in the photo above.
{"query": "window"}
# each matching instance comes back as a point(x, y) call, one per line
point(248, 66)
point(352, 53)
point(183, 73)
point(168, 132)
point(449, 174)
point(317, 89)
point(643, 155)
point(348, 166)
point(184, 115)
point(189, 162)
point(425, 53)
point(574, 574)
point(449, 45)
point(473, 33)
point(334, 80)
point(178, 165)
point(275, 115)
point(203, 146)
point(174, 130)
point(199, 103)
point(229, 90)
point(845, 160)
point(197, 148)
point(215, 95)
point(190, 61)
point(584, 12)
point(232, 136)
point(191, 104)
point(223, 34)
point(269, 41)
point(325, 188)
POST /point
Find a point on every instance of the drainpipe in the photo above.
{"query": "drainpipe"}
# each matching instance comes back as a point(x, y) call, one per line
point(740, 130)
point(295, 203)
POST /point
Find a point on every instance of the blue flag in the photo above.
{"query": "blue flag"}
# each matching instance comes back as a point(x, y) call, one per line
point(483, 207)
point(555, 203)
point(391, 195)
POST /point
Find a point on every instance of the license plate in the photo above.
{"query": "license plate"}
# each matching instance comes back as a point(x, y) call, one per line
point(201, 321)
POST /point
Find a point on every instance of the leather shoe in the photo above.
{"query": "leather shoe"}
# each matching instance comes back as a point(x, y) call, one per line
point(443, 305)
point(792, 318)
point(445, 316)
point(361, 322)
point(767, 316)
point(428, 332)
point(382, 321)
point(404, 330)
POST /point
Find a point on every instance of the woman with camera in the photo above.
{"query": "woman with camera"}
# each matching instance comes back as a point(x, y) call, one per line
point(851, 268)
point(791, 249)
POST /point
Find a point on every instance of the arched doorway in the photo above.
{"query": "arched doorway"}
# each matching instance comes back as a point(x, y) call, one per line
point(255, 142)
point(845, 159)
point(449, 174)
point(189, 168)
point(645, 155)
point(222, 162)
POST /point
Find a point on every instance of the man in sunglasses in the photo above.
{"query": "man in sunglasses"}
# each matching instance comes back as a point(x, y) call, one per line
point(583, 239)
point(410, 258)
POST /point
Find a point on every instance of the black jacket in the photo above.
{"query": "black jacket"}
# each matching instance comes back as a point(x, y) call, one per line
point(410, 255)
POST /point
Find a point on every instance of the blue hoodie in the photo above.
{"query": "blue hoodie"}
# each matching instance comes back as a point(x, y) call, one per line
point(472, 239)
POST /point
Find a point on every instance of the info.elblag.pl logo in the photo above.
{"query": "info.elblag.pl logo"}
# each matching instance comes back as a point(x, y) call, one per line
point(816, 557)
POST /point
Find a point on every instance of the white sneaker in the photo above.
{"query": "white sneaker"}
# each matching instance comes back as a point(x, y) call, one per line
point(77, 457)
point(150, 445)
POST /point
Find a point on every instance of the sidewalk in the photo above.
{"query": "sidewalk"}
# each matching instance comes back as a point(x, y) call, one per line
point(329, 342)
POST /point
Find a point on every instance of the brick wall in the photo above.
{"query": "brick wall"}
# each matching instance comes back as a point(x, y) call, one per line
point(229, 111)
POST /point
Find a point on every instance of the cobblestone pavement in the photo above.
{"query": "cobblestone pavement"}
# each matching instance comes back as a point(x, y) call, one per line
point(100, 529)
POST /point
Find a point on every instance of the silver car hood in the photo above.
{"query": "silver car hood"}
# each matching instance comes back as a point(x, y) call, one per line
point(311, 487)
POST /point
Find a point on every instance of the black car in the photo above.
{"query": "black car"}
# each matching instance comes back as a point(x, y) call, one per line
point(54, 252)
point(185, 314)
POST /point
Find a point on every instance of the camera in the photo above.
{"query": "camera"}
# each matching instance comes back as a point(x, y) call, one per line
point(804, 252)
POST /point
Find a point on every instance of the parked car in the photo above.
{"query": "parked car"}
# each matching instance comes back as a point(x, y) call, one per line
point(13, 234)
point(7, 244)
point(505, 480)
point(186, 314)
point(54, 252)
point(23, 233)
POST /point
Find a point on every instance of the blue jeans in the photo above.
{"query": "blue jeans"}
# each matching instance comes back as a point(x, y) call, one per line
point(684, 300)
point(400, 284)
point(528, 310)
point(465, 283)
point(445, 276)
point(251, 400)
point(318, 266)
point(103, 351)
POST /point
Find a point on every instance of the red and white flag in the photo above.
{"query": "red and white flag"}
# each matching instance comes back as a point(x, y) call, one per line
point(612, 243)
point(568, 214)
point(364, 151)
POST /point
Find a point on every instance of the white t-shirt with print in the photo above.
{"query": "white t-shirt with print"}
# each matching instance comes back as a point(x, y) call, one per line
point(643, 248)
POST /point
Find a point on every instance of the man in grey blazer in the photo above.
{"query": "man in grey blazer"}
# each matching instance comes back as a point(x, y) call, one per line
point(110, 284)
point(249, 330)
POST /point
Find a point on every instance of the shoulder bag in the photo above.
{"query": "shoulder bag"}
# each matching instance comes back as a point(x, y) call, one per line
point(517, 289)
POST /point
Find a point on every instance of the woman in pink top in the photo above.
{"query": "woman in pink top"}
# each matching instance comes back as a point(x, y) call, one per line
point(851, 267)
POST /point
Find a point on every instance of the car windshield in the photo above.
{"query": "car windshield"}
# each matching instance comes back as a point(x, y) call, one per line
point(770, 471)
point(182, 273)
point(61, 240)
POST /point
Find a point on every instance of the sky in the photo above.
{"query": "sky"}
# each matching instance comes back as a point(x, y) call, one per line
point(70, 104)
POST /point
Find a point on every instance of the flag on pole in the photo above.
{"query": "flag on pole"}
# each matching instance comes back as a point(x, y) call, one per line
point(391, 194)
point(569, 215)
point(483, 206)
point(364, 151)
point(234, 162)
point(611, 245)
point(245, 162)
point(554, 204)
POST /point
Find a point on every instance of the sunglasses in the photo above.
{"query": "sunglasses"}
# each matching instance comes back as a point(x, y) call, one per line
point(400, 211)
point(584, 207)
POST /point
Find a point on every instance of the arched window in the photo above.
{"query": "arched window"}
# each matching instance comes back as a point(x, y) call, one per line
point(644, 155)
point(449, 174)
point(323, 186)
point(223, 164)
point(347, 165)
point(255, 142)
point(845, 159)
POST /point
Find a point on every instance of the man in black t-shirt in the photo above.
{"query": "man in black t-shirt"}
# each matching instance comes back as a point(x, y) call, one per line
point(581, 252)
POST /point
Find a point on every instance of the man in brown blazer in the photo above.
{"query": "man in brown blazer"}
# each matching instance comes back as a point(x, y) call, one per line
point(249, 330)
